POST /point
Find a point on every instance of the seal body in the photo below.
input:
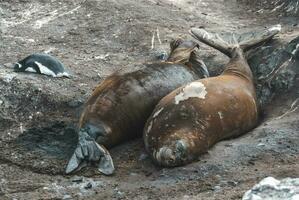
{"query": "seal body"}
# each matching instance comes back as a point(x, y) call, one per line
point(41, 64)
point(192, 118)
point(120, 105)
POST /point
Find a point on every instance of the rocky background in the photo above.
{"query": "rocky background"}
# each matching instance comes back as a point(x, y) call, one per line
point(95, 38)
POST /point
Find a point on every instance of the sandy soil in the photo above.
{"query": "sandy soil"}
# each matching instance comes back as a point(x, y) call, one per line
point(93, 39)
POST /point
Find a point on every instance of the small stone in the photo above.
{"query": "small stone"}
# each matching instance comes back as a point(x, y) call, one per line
point(8, 78)
point(75, 103)
point(216, 188)
point(65, 197)
point(77, 179)
point(119, 195)
point(88, 186)
point(232, 183)
point(143, 156)
point(260, 144)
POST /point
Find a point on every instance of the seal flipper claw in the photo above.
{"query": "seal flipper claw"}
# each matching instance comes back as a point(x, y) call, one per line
point(106, 165)
point(73, 164)
point(88, 150)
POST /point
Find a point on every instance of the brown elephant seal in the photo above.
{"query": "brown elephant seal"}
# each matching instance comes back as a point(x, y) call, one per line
point(120, 105)
point(192, 118)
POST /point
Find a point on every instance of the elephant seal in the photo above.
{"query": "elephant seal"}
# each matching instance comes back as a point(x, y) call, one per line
point(192, 118)
point(41, 64)
point(119, 106)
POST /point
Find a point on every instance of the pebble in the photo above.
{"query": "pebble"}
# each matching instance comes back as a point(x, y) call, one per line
point(77, 179)
point(88, 186)
point(65, 197)
point(75, 103)
point(216, 188)
point(143, 156)
point(8, 78)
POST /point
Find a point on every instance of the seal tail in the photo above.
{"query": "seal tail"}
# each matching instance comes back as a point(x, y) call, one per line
point(225, 43)
point(88, 150)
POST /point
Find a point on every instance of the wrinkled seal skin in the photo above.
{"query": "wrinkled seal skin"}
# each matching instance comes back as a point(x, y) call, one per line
point(119, 106)
point(194, 117)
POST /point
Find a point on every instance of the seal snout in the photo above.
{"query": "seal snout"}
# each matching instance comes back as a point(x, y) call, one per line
point(173, 155)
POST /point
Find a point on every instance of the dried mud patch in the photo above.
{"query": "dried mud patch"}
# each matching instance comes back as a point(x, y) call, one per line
point(42, 149)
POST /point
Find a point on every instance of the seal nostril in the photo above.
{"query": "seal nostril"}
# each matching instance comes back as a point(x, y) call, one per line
point(165, 156)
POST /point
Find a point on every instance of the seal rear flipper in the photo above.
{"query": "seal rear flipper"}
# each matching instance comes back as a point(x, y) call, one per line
point(89, 151)
point(226, 42)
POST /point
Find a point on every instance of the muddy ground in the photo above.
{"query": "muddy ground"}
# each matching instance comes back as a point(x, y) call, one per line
point(93, 39)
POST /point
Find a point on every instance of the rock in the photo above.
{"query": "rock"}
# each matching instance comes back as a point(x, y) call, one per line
point(143, 156)
point(118, 194)
point(75, 103)
point(273, 189)
point(88, 186)
point(275, 69)
point(8, 77)
point(159, 54)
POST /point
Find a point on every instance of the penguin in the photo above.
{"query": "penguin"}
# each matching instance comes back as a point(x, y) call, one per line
point(42, 64)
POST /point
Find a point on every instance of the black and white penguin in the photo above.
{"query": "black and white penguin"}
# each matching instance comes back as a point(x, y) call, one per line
point(41, 64)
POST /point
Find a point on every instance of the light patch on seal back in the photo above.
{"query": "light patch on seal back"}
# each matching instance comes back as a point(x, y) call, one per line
point(220, 115)
point(295, 50)
point(158, 112)
point(149, 128)
point(194, 89)
point(44, 70)
point(275, 28)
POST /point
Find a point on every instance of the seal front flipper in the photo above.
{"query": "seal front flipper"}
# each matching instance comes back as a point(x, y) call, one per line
point(88, 150)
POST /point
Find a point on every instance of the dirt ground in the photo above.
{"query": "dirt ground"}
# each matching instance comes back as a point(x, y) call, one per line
point(95, 38)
